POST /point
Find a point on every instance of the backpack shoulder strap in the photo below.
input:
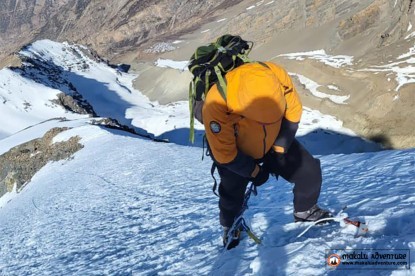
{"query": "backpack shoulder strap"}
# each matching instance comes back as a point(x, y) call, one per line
point(264, 64)
point(222, 85)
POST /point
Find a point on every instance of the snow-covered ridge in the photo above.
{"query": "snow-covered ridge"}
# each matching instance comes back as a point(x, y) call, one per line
point(52, 68)
point(25, 102)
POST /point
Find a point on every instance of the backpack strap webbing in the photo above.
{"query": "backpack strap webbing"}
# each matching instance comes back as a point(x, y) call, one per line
point(215, 183)
point(192, 88)
point(222, 85)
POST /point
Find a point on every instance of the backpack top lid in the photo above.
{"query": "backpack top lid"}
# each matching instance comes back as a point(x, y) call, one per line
point(218, 53)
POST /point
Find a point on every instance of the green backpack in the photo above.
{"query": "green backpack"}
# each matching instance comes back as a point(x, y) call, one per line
point(210, 63)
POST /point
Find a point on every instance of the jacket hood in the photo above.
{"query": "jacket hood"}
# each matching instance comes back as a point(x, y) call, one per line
point(253, 91)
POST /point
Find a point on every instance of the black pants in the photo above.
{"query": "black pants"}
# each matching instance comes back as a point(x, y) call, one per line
point(297, 166)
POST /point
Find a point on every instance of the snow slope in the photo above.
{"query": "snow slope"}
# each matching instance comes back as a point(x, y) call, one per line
point(25, 103)
point(118, 208)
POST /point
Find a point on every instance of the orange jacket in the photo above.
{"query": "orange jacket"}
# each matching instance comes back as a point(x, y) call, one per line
point(249, 121)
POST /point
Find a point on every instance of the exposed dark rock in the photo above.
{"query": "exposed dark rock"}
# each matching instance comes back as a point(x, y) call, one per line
point(114, 124)
point(123, 68)
point(18, 165)
point(75, 104)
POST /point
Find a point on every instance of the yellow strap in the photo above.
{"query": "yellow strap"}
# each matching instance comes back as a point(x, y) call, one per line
point(244, 58)
point(192, 88)
point(207, 82)
point(252, 236)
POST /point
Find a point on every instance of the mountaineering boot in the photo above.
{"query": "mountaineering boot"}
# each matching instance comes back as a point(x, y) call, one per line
point(313, 214)
point(235, 239)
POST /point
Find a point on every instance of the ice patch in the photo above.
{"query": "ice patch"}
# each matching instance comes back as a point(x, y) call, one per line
point(260, 3)
point(333, 87)
point(410, 53)
point(404, 70)
point(168, 63)
point(321, 55)
point(313, 88)
point(410, 35)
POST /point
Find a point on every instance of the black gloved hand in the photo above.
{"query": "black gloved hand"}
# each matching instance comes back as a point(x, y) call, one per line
point(275, 156)
point(261, 177)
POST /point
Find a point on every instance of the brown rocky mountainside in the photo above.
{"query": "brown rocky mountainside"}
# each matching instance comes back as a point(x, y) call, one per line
point(128, 27)
point(378, 34)
point(110, 27)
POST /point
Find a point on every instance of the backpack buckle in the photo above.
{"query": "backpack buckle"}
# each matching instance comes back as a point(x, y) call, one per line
point(221, 49)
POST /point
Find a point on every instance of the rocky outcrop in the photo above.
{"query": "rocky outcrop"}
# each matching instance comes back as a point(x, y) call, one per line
point(383, 22)
point(114, 124)
point(360, 22)
point(75, 103)
point(10, 61)
point(18, 165)
point(51, 75)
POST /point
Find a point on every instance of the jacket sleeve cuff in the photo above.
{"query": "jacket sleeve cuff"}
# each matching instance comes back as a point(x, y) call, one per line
point(286, 136)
